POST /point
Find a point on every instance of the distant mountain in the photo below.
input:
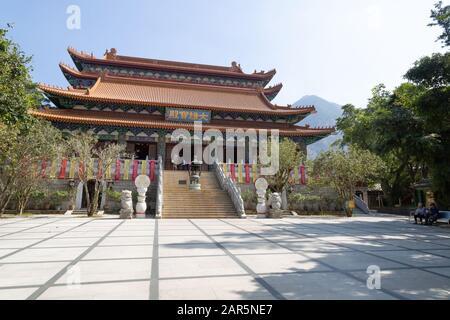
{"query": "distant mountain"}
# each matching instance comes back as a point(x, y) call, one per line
point(327, 113)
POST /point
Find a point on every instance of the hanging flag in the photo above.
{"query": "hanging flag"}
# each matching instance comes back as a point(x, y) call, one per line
point(90, 169)
point(143, 167)
point(43, 168)
point(62, 172)
point(81, 169)
point(72, 168)
point(108, 172)
point(117, 173)
point(152, 170)
point(296, 175)
point(225, 168)
point(99, 169)
point(302, 175)
point(255, 171)
point(126, 169)
point(240, 178)
point(247, 173)
point(233, 171)
point(135, 169)
point(53, 169)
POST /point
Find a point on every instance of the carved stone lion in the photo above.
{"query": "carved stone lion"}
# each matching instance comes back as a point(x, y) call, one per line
point(126, 204)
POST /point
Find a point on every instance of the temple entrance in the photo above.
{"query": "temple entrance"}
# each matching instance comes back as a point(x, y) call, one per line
point(143, 150)
point(168, 165)
point(91, 189)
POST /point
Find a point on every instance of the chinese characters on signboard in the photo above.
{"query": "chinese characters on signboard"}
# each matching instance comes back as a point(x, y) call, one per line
point(187, 115)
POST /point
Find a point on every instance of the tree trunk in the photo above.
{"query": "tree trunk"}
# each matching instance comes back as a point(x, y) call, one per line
point(86, 194)
point(5, 204)
point(21, 207)
point(94, 204)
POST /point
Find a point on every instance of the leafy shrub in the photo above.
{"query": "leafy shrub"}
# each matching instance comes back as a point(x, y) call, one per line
point(113, 195)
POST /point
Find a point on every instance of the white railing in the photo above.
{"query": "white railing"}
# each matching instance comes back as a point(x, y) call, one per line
point(227, 184)
point(361, 205)
point(159, 190)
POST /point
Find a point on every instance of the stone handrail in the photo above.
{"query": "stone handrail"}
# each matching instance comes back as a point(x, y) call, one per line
point(227, 184)
point(159, 189)
point(361, 205)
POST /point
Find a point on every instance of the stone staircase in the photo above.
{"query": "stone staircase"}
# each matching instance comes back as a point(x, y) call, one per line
point(182, 202)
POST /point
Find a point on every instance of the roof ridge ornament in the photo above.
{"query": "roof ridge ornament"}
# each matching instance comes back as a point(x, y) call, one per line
point(111, 54)
point(236, 66)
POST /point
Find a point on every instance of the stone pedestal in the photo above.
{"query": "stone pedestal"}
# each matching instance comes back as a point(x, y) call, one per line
point(261, 188)
point(142, 182)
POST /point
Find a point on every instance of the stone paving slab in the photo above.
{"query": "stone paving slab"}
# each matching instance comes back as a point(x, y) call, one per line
point(58, 257)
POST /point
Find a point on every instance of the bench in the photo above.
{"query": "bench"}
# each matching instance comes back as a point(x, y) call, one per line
point(443, 217)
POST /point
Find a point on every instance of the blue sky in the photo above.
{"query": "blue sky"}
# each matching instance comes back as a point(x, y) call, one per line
point(335, 49)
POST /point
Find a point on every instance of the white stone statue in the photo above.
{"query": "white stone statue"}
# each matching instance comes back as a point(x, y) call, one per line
point(142, 182)
point(274, 204)
point(126, 204)
point(275, 201)
point(261, 188)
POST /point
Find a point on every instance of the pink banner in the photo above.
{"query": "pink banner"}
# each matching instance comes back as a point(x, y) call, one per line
point(62, 172)
point(247, 173)
point(233, 171)
point(135, 169)
point(117, 173)
point(302, 175)
point(99, 169)
point(43, 168)
point(152, 170)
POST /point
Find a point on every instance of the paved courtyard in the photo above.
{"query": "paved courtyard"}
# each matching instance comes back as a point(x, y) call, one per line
point(304, 258)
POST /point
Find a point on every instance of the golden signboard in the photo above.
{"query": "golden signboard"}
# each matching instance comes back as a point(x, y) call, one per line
point(187, 115)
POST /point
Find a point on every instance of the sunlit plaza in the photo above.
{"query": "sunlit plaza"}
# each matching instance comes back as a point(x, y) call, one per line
point(294, 258)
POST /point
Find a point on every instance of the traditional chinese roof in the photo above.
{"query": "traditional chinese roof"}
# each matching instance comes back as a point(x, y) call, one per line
point(271, 92)
point(74, 72)
point(144, 92)
point(120, 119)
point(113, 59)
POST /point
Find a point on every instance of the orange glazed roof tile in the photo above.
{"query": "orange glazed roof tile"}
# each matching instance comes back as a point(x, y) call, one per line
point(76, 73)
point(121, 90)
point(111, 58)
point(148, 121)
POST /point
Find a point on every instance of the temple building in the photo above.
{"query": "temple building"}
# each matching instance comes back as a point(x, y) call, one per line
point(141, 101)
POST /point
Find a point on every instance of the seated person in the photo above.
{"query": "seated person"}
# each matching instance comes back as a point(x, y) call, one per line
point(420, 213)
point(432, 215)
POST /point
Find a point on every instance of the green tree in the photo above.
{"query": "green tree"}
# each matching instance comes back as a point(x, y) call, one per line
point(390, 128)
point(85, 147)
point(21, 152)
point(441, 17)
point(290, 156)
point(410, 127)
point(344, 170)
point(17, 91)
